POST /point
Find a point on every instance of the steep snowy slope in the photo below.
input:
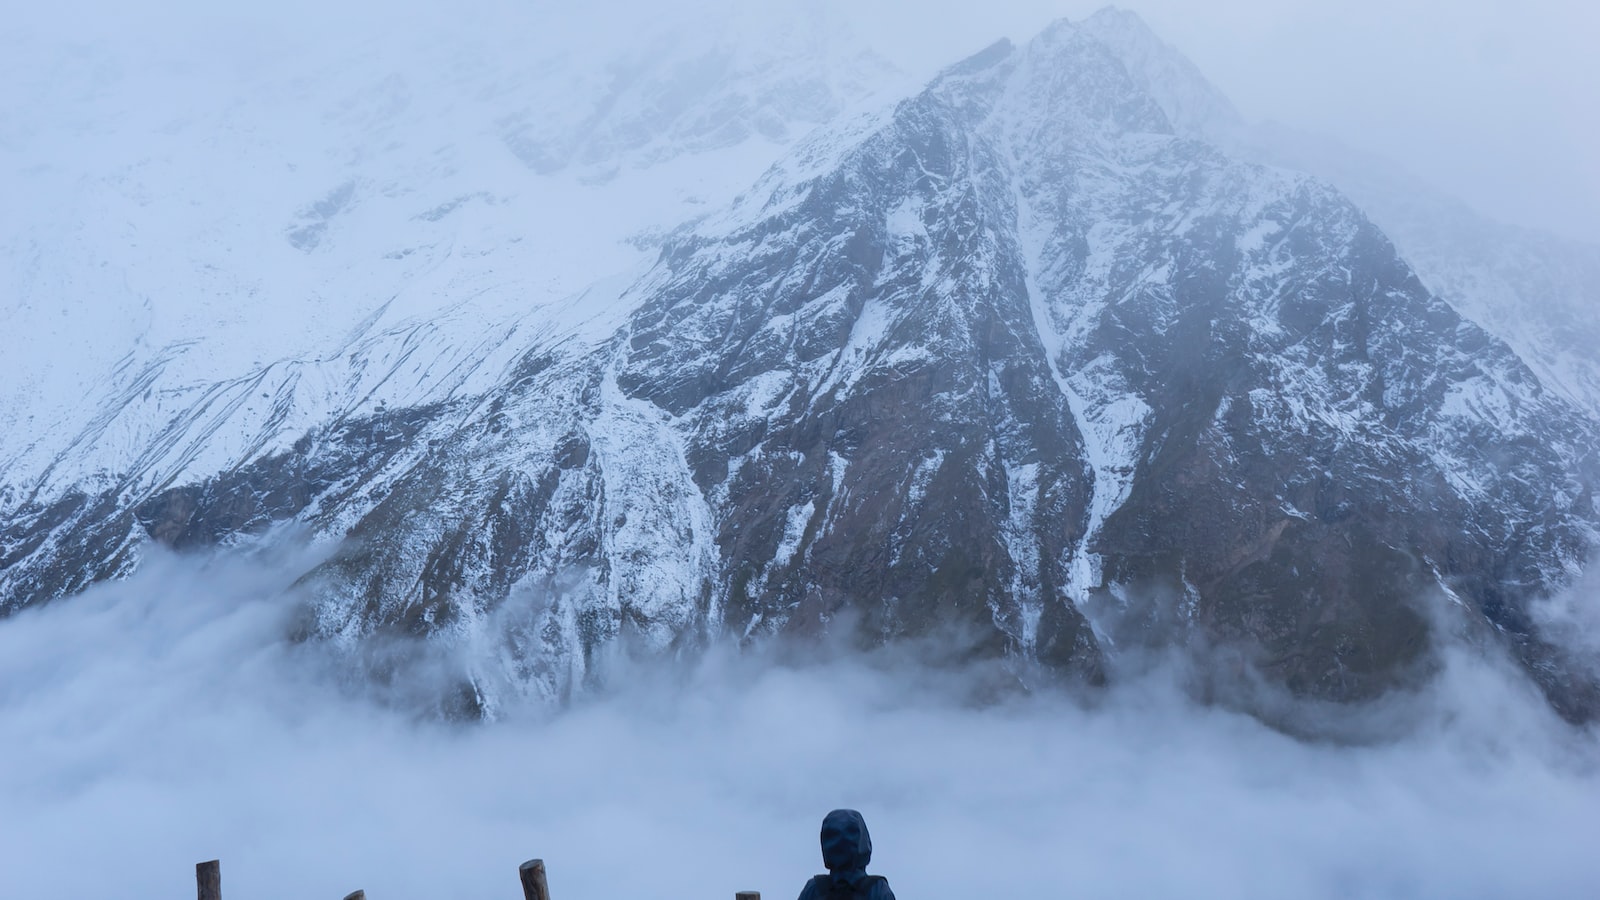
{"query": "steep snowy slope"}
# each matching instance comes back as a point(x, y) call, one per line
point(414, 188)
point(1535, 291)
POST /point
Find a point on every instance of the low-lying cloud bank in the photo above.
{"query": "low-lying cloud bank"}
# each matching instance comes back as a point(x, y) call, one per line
point(155, 723)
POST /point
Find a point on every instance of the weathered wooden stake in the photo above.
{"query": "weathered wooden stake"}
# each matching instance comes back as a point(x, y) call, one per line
point(208, 879)
point(356, 895)
point(747, 895)
point(533, 883)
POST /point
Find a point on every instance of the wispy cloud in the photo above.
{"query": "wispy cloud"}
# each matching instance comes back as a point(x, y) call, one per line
point(156, 722)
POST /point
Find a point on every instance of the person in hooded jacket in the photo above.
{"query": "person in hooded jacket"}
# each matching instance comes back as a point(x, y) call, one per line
point(846, 850)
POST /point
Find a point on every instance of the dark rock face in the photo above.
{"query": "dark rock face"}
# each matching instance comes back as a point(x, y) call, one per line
point(1018, 369)
point(80, 538)
point(911, 391)
point(1314, 533)
point(281, 486)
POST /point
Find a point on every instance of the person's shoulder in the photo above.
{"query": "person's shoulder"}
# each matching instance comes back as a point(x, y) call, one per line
point(814, 888)
point(880, 889)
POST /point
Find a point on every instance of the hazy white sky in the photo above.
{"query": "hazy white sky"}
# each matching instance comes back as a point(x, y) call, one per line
point(1496, 101)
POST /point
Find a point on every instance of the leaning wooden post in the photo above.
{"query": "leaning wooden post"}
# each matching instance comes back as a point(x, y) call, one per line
point(747, 895)
point(208, 878)
point(533, 883)
point(356, 895)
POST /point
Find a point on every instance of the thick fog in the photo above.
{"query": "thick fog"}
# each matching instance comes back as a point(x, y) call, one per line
point(151, 724)
point(1490, 100)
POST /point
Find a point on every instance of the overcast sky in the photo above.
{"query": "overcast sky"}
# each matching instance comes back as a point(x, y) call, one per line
point(1493, 100)
point(1496, 101)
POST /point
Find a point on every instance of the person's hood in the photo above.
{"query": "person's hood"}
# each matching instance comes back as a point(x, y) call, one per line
point(846, 846)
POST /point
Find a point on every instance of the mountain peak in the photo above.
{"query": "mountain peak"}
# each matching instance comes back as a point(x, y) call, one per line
point(1192, 104)
point(1114, 16)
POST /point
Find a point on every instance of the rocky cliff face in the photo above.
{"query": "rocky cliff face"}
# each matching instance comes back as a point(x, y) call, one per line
point(1018, 361)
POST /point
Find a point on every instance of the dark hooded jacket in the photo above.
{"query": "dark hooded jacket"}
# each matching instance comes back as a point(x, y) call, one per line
point(846, 850)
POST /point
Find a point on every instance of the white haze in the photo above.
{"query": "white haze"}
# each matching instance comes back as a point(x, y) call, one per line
point(154, 723)
point(1490, 100)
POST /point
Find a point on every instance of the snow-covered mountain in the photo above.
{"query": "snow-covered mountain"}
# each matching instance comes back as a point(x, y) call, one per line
point(1038, 361)
point(1535, 291)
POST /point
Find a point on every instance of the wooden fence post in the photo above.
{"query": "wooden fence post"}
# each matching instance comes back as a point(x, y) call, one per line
point(747, 895)
point(534, 886)
point(208, 879)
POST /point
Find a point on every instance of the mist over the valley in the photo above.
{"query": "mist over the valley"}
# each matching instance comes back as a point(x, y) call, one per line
point(156, 722)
